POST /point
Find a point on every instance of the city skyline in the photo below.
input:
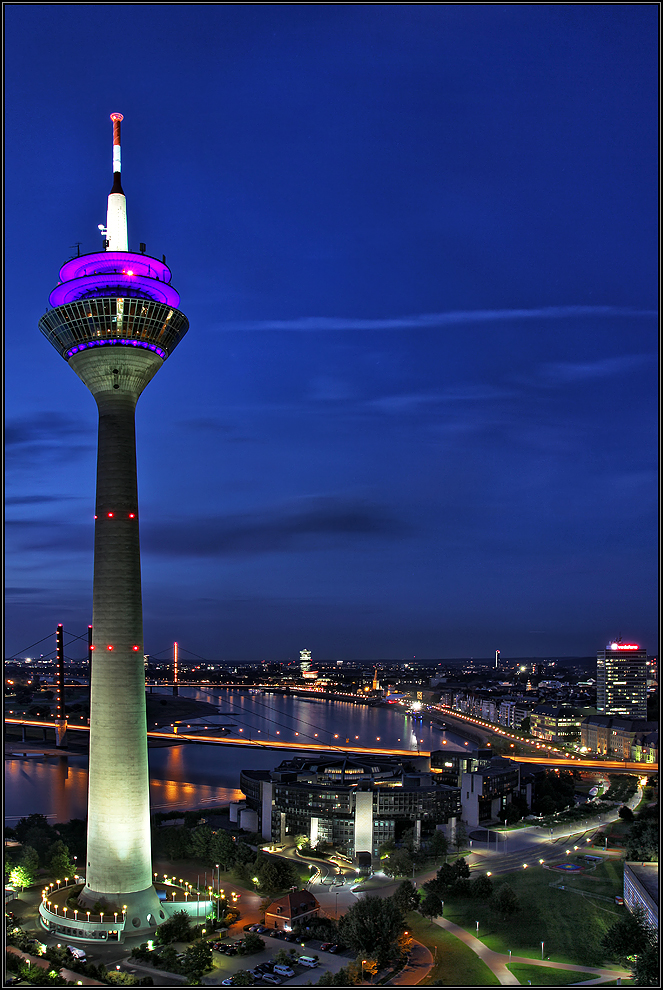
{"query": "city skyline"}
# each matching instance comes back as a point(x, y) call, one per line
point(419, 246)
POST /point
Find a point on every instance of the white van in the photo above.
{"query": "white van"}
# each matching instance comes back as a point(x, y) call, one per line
point(281, 970)
point(308, 961)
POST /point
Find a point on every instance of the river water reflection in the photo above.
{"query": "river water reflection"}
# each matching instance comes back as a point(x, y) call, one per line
point(197, 775)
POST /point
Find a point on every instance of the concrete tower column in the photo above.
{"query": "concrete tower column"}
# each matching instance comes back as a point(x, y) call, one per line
point(119, 868)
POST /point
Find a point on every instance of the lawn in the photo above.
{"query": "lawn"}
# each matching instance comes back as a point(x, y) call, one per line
point(541, 976)
point(456, 965)
point(570, 926)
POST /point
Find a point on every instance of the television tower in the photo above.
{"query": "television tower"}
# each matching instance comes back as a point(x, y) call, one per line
point(115, 321)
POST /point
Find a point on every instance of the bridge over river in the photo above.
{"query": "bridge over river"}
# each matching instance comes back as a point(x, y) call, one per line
point(569, 762)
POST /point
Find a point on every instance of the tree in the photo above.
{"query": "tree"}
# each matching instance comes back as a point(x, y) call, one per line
point(251, 943)
point(372, 926)
point(630, 936)
point(242, 978)
point(642, 838)
point(647, 969)
point(406, 897)
point(460, 839)
point(438, 845)
point(222, 849)
point(24, 825)
point(201, 841)
point(481, 888)
point(275, 874)
point(626, 814)
point(431, 906)
point(399, 864)
point(20, 877)
point(461, 869)
point(504, 901)
point(176, 929)
point(29, 859)
point(59, 861)
point(197, 959)
point(349, 976)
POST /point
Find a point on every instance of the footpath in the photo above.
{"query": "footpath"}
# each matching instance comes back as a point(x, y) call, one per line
point(497, 961)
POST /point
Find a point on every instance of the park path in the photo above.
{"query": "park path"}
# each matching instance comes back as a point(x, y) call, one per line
point(418, 966)
point(497, 961)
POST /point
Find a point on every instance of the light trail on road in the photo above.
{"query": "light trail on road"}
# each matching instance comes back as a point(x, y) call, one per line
point(570, 762)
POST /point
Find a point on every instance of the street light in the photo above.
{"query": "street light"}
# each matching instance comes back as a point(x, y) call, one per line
point(542, 950)
point(362, 970)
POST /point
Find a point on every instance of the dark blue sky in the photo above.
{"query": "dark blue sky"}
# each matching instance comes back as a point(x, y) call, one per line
point(415, 413)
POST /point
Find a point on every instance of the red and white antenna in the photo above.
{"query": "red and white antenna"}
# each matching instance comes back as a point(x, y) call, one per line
point(116, 216)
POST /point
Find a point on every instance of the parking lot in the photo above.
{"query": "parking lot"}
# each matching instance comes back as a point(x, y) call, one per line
point(225, 966)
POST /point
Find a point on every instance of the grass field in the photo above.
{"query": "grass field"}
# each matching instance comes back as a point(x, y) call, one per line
point(570, 926)
point(455, 964)
point(542, 977)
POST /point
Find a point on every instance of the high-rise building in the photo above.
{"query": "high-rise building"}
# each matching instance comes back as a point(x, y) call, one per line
point(115, 321)
point(621, 680)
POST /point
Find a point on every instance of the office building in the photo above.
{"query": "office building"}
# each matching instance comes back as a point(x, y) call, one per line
point(621, 680)
point(354, 803)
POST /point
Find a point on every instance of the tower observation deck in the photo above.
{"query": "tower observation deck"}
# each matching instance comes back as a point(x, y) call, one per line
point(114, 319)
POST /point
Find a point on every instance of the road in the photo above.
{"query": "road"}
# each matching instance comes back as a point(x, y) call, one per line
point(568, 762)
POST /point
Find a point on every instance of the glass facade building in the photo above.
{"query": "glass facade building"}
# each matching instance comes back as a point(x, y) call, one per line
point(621, 681)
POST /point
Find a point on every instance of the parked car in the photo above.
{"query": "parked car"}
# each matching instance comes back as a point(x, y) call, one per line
point(336, 948)
point(282, 970)
point(260, 929)
point(280, 934)
point(308, 961)
point(291, 938)
point(326, 946)
point(254, 928)
point(272, 978)
point(619, 900)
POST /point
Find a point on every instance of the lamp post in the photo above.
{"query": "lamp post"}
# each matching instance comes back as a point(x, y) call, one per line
point(218, 890)
point(362, 970)
point(542, 950)
point(477, 927)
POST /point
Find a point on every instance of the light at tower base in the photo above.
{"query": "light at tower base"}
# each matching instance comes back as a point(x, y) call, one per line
point(115, 321)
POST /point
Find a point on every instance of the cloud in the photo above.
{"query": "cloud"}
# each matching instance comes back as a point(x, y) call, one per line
point(460, 393)
point(46, 427)
point(14, 592)
point(564, 373)
point(426, 320)
point(38, 499)
point(319, 523)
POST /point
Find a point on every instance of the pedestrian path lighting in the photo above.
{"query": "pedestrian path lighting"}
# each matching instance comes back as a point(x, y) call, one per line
point(362, 970)
point(477, 927)
point(542, 950)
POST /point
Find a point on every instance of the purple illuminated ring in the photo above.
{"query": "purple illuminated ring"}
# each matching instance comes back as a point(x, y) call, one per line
point(105, 343)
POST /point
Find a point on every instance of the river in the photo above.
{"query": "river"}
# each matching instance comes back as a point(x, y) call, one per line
point(198, 775)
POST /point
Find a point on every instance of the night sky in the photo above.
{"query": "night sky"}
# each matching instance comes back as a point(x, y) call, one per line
point(416, 411)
